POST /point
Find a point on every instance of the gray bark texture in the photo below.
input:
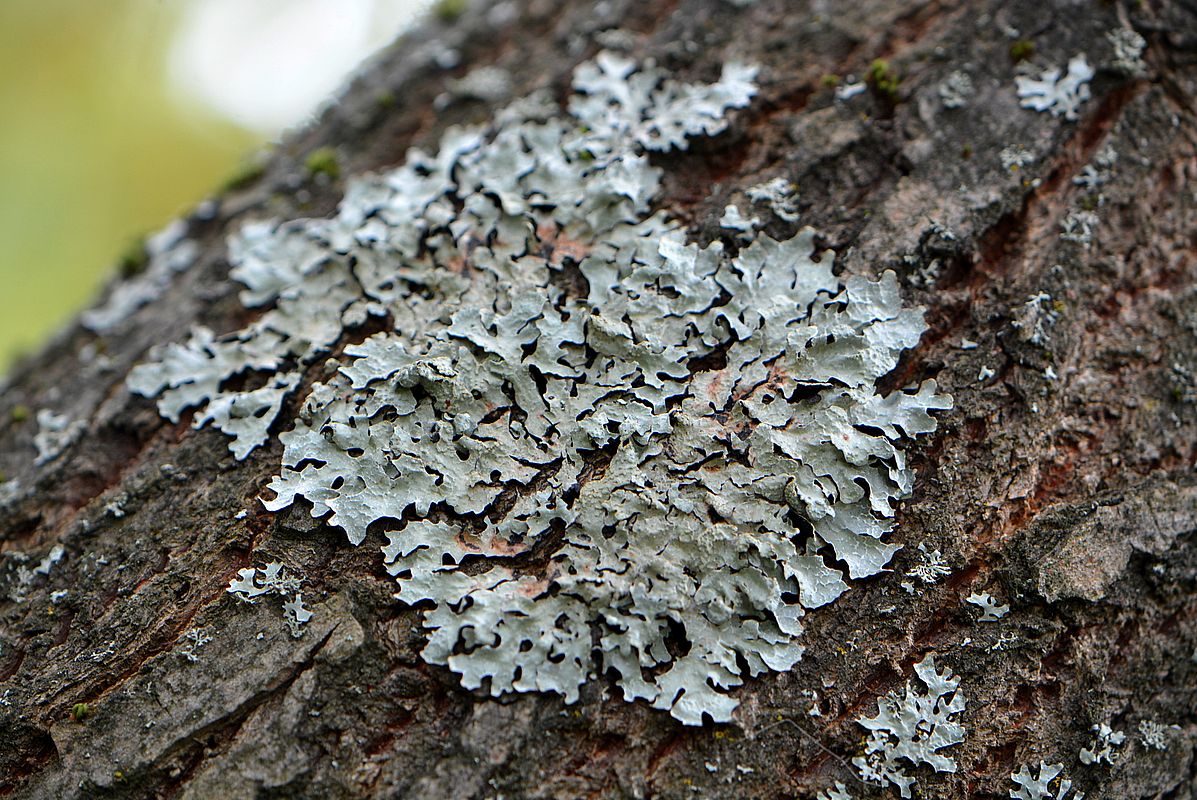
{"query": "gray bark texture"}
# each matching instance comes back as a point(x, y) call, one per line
point(1071, 498)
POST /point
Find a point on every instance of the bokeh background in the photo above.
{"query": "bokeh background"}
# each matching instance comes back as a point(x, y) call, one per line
point(116, 115)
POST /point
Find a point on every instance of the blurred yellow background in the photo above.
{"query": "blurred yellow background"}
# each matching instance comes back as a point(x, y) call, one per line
point(112, 122)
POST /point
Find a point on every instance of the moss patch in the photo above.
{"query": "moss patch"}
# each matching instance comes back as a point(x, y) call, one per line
point(1022, 50)
point(448, 11)
point(884, 79)
point(323, 161)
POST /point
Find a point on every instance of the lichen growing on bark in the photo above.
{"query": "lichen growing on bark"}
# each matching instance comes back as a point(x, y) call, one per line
point(679, 449)
point(913, 727)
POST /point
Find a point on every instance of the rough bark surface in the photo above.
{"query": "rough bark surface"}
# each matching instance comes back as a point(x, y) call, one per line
point(1074, 498)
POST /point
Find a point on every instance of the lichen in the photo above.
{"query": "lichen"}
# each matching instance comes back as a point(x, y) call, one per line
point(837, 792)
point(956, 90)
point(1128, 47)
point(193, 640)
point(252, 583)
point(1014, 157)
point(1077, 227)
point(914, 727)
point(1061, 95)
point(56, 432)
point(483, 83)
point(167, 254)
point(690, 447)
point(1105, 745)
point(1153, 734)
point(295, 615)
point(1037, 785)
point(931, 566)
point(779, 195)
point(733, 220)
point(991, 609)
point(1035, 319)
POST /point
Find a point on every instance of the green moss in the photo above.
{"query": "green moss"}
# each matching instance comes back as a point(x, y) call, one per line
point(19, 414)
point(385, 99)
point(830, 80)
point(448, 11)
point(80, 712)
point(966, 151)
point(245, 174)
point(323, 161)
point(884, 79)
point(1022, 50)
point(134, 260)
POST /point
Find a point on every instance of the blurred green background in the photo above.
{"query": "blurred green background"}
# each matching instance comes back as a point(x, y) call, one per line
point(113, 119)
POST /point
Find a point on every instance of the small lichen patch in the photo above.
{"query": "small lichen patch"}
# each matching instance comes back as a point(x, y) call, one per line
point(1038, 785)
point(1035, 318)
point(1153, 734)
point(779, 195)
point(1104, 747)
point(931, 566)
point(1077, 227)
point(483, 83)
point(1128, 47)
point(991, 609)
point(1059, 95)
point(956, 90)
point(913, 727)
point(733, 220)
point(56, 554)
point(56, 432)
point(295, 615)
point(837, 792)
point(193, 640)
point(1014, 157)
point(167, 253)
point(273, 579)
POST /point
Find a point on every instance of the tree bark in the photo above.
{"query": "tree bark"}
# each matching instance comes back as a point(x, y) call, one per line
point(1062, 482)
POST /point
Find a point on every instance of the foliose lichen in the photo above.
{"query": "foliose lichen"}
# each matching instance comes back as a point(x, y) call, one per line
point(1128, 47)
point(56, 432)
point(837, 792)
point(991, 609)
point(1038, 785)
point(1105, 745)
point(914, 727)
point(1061, 95)
point(273, 579)
point(580, 434)
point(167, 253)
point(956, 90)
point(1153, 734)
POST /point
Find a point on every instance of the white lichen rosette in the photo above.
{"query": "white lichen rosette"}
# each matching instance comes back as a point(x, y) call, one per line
point(662, 470)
